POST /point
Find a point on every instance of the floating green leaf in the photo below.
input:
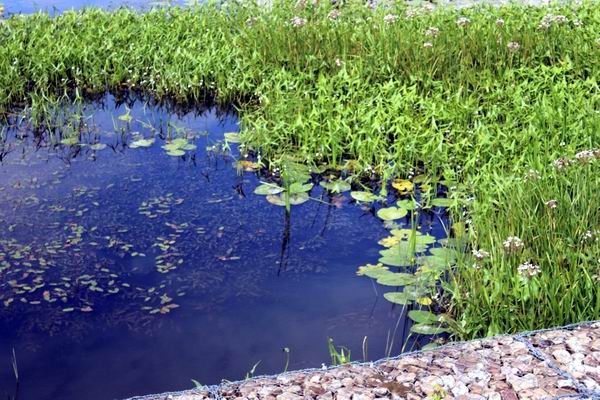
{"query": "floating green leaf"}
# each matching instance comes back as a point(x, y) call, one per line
point(298, 187)
point(407, 204)
point(70, 141)
point(267, 189)
point(397, 298)
point(423, 317)
point(336, 186)
point(141, 143)
point(365, 197)
point(176, 153)
point(426, 329)
point(391, 213)
point(396, 279)
point(294, 199)
point(232, 137)
point(373, 271)
point(442, 202)
point(98, 146)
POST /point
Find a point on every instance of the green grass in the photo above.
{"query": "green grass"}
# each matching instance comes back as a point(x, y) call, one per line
point(466, 109)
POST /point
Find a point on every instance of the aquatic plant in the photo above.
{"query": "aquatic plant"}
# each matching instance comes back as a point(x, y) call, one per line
point(469, 96)
point(541, 261)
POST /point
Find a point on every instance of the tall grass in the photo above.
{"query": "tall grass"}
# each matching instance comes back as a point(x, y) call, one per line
point(475, 96)
point(556, 215)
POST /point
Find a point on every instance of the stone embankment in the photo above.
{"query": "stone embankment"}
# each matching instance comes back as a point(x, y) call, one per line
point(562, 363)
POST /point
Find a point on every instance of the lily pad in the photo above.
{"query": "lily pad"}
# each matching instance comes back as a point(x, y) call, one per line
point(298, 198)
point(176, 153)
point(373, 271)
point(365, 197)
point(442, 202)
point(396, 260)
point(294, 199)
point(391, 213)
point(407, 204)
point(336, 186)
point(423, 317)
point(397, 298)
point(427, 329)
point(232, 137)
point(298, 187)
point(98, 146)
point(268, 188)
point(70, 141)
point(141, 143)
point(396, 279)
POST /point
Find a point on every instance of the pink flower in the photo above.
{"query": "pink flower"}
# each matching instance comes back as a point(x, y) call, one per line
point(298, 22)
point(390, 18)
point(513, 46)
point(334, 14)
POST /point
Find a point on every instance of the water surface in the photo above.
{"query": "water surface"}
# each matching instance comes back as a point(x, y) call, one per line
point(126, 271)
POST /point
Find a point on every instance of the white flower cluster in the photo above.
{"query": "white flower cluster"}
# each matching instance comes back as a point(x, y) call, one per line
point(550, 19)
point(390, 19)
point(432, 31)
point(463, 21)
point(298, 22)
point(513, 243)
point(528, 269)
point(513, 46)
point(480, 254)
point(334, 14)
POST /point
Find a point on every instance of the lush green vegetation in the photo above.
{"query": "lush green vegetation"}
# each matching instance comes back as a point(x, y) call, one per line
point(472, 97)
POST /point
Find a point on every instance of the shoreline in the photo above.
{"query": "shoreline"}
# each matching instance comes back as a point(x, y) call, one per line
point(555, 363)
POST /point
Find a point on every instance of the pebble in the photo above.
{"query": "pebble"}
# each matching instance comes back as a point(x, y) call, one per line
point(500, 368)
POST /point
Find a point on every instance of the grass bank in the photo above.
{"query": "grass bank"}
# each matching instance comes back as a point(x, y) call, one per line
point(476, 97)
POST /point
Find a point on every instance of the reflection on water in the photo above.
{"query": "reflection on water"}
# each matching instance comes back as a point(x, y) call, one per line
point(127, 270)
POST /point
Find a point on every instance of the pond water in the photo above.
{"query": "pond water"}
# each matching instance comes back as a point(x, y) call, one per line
point(126, 271)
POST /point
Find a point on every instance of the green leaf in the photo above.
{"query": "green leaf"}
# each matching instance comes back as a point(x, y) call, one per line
point(427, 329)
point(276, 199)
point(267, 189)
point(298, 198)
point(294, 199)
point(442, 202)
point(373, 271)
point(70, 141)
point(396, 260)
point(176, 153)
point(298, 187)
point(141, 143)
point(396, 279)
point(232, 137)
point(407, 204)
point(179, 142)
point(391, 213)
point(423, 317)
point(430, 346)
point(336, 186)
point(397, 298)
point(98, 146)
point(365, 197)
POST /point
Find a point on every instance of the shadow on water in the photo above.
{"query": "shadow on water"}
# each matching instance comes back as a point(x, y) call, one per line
point(126, 270)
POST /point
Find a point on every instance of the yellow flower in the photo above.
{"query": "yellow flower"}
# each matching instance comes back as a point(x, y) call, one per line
point(389, 241)
point(403, 186)
point(425, 301)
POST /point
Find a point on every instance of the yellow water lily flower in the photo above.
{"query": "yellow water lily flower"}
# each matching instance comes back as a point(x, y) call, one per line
point(390, 241)
point(403, 186)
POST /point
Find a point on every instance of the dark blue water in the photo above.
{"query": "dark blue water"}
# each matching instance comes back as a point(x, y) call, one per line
point(126, 271)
